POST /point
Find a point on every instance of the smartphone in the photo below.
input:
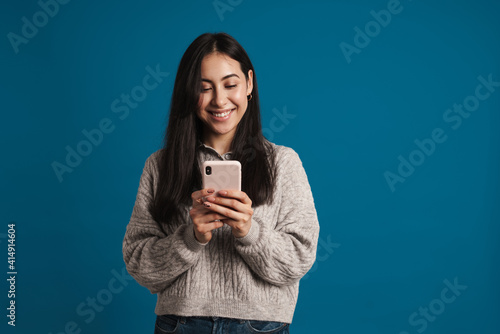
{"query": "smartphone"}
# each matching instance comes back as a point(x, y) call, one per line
point(219, 175)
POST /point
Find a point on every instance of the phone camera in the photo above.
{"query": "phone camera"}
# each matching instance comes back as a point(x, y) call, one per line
point(208, 170)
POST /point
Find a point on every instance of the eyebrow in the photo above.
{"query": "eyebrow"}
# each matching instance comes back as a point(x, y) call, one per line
point(224, 78)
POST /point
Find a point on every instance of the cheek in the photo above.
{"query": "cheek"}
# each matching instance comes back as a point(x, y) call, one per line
point(202, 101)
point(240, 96)
point(242, 102)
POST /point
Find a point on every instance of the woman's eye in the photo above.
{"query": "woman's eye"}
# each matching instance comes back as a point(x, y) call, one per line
point(231, 86)
point(205, 89)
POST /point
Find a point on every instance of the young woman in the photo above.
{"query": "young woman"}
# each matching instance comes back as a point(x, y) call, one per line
point(228, 262)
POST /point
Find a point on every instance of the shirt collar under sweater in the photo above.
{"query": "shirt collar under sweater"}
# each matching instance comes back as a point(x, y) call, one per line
point(212, 151)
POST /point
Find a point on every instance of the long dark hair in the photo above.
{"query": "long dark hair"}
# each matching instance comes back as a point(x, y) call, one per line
point(179, 172)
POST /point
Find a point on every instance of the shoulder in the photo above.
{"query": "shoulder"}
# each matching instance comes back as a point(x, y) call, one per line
point(152, 162)
point(291, 174)
point(284, 155)
point(155, 156)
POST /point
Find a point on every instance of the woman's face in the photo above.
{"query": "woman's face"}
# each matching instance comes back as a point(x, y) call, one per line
point(223, 98)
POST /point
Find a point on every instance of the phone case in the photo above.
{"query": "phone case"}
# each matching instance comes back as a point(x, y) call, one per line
point(220, 175)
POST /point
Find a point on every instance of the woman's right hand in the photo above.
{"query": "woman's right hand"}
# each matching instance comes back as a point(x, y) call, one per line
point(203, 218)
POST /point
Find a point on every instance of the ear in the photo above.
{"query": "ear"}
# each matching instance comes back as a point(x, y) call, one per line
point(250, 82)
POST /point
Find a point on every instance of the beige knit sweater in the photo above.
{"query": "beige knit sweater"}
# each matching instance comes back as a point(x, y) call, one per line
point(255, 277)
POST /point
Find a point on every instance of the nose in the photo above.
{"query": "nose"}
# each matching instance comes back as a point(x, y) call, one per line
point(219, 98)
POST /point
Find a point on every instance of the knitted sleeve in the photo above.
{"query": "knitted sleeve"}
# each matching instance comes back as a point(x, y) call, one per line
point(153, 258)
point(282, 252)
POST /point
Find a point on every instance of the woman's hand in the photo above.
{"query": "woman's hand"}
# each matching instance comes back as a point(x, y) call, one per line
point(236, 206)
point(204, 219)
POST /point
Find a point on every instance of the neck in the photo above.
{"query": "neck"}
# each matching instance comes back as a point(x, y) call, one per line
point(221, 143)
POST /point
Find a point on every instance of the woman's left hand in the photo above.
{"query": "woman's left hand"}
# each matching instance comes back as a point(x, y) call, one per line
point(236, 206)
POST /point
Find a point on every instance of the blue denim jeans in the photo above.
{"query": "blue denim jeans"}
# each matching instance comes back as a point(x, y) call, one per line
point(215, 325)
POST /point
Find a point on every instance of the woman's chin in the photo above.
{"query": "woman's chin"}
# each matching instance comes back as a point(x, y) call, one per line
point(221, 130)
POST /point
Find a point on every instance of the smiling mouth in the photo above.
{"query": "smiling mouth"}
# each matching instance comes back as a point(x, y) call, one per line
point(222, 114)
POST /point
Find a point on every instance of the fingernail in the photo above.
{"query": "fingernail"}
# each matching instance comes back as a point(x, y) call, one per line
point(211, 199)
point(207, 204)
point(210, 191)
point(223, 193)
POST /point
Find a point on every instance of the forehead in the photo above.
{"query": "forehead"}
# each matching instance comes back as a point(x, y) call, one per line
point(217, 65)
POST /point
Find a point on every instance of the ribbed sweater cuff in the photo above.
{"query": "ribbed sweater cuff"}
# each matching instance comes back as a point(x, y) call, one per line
point(252, 235)
point(191, 242)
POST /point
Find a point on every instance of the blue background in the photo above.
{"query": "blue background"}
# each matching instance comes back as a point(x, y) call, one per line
point(383, 252)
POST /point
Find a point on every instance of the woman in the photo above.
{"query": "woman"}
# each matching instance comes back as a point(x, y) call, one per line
point(229, 263)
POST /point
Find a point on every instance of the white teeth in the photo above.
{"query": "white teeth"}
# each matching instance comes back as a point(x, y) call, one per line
point(224, 114)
